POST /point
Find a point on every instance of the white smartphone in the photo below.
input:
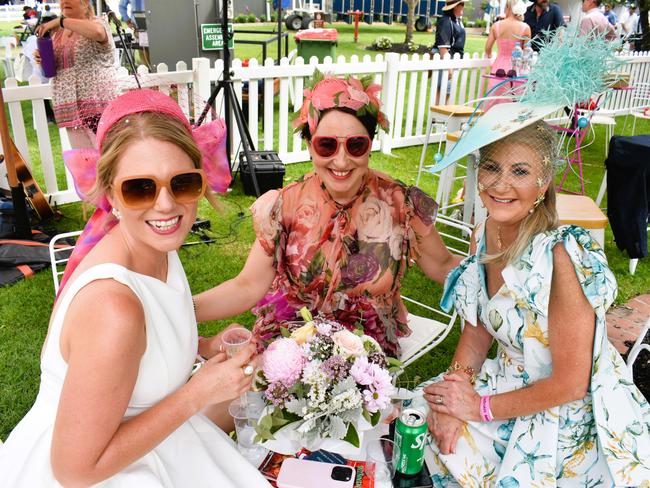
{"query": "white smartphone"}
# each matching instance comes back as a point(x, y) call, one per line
point(302, 473)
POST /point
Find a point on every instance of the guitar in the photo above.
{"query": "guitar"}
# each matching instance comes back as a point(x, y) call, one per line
point(33, 192)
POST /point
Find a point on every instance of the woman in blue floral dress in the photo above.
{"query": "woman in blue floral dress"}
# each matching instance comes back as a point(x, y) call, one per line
point(556, 406)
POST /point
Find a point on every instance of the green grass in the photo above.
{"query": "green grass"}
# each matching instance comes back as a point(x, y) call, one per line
point(346, 45)
point(26, 306)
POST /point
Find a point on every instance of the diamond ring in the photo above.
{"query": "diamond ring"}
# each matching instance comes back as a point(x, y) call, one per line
point(438, 400)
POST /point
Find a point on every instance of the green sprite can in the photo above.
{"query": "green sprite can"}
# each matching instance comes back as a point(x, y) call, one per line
point(410, 438)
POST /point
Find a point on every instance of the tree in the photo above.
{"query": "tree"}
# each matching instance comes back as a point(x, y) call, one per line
point(410, 20)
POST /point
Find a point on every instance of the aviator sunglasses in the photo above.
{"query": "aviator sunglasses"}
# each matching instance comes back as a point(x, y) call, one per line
point(139, 192)
point(328, 146)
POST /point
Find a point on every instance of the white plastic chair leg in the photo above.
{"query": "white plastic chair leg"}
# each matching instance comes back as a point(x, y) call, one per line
point(638, 346)
point(424, 150)
point(633, 263)
point(601, 191)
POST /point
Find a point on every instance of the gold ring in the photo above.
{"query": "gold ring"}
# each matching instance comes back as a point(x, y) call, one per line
point(248, 369)
point(438, 400)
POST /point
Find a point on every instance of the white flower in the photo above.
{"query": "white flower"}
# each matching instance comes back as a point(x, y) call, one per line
point(348, 344)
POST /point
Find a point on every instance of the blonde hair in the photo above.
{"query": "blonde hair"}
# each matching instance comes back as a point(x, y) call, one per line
point(136, 127)
point(543, 141)
point(90, 10)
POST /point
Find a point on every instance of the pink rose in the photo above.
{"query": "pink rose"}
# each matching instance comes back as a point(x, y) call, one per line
point(348, 343)
point(306, 216)
point(324, 93)
point(266, 212)
point(353, 99)
point(283, 362)
point(374, 221)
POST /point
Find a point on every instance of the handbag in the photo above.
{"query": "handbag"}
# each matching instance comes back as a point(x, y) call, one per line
point(22, 68)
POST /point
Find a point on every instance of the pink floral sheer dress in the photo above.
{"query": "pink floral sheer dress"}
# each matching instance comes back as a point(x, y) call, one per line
point(343, 261)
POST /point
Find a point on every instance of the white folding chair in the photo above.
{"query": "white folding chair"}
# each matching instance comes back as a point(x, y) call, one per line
point(427, 333)
point(640, 108)
point(59, 255)
point(638, 346)
point(8, 43)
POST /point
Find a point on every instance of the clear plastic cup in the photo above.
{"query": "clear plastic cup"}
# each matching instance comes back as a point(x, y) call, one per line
point(245, 417)
point(380, 461)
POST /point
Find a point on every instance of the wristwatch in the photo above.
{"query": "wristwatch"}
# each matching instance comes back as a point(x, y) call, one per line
point(61, 19)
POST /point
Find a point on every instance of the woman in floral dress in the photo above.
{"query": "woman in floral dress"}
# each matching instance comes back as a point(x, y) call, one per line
point(557, 405)
point(339, 240)
point(85, 79)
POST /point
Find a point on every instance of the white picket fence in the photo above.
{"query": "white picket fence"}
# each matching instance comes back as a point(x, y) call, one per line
point(273, 93)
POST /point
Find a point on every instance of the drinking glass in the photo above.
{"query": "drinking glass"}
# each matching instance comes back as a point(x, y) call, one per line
point(381, 455)
point(234, 340)
point(245, 418)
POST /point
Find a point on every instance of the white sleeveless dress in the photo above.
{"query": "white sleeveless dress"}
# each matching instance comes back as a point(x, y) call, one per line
point(197, 454)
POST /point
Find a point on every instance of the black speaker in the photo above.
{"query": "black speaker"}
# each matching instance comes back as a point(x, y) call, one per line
point(269, 171)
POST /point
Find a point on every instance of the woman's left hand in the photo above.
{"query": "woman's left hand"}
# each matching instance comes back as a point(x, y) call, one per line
point(42, 29)
point(454, 396)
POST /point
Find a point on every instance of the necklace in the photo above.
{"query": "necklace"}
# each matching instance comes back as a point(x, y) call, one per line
point(499, 241)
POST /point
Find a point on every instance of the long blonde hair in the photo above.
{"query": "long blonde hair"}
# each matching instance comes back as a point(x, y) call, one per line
point(543, 141)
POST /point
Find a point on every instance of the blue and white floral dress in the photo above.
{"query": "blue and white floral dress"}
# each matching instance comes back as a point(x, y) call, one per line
point(602, 440)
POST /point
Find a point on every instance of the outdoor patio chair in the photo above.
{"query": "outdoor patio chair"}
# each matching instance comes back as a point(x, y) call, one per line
point(427, 333)
point(59, 256)
point(640, 108)
point(638, 346)
point(8, 43)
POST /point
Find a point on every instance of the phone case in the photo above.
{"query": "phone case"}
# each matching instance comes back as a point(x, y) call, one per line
point(302, 473)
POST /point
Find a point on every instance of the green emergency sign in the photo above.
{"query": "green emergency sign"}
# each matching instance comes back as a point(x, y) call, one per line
point(211, 38)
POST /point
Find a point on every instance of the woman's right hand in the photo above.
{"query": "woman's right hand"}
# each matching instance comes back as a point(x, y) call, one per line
point(37, 56)
point(445, 431)
point(221, 379)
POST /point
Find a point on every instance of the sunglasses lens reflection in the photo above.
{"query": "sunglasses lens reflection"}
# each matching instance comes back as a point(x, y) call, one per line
point(138, 191)
point(187, 187)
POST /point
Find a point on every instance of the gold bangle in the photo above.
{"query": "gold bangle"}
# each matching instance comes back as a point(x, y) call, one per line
point(468, 370)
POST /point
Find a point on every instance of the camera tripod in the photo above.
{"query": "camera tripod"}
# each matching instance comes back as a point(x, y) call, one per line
point(231, 103)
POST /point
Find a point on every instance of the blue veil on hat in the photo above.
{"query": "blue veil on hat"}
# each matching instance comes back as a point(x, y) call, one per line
point(570, 69)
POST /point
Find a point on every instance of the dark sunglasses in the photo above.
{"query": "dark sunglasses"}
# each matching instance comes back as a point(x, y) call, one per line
point(139, 192)
point(501, 73)
point(328, 146)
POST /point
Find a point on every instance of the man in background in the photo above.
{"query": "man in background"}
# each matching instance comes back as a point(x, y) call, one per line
point(542, 17)
point(594, 22)
point(609, 14)
point(450, 32)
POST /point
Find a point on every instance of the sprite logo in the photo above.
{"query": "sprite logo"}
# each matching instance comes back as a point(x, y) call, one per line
point(419, 441)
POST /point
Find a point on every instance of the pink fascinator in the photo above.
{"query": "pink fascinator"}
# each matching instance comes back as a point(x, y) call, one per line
point(82, 163)
point(328, 91)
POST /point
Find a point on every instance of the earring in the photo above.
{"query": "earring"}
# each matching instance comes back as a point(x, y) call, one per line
point(536, 203)
point(116, 213)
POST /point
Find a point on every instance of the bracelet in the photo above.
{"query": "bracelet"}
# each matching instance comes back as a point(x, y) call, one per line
point(61, 21)
point(468, 370)
point(484, 409)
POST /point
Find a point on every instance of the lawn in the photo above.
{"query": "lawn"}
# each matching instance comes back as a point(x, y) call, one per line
point(25, 307)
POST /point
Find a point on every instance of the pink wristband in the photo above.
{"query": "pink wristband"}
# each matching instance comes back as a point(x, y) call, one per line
point(484, 409)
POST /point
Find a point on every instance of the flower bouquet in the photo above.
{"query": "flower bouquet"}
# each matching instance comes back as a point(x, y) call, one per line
point(323, 381)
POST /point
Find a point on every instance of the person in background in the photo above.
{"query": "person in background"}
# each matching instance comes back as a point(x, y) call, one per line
point(85, 80)
point(594, 21)
point(450, 32)
point(507, 34)
point(609, 14)
point(542, 17)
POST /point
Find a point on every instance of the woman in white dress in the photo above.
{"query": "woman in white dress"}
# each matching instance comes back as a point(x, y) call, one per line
point(115, 407)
